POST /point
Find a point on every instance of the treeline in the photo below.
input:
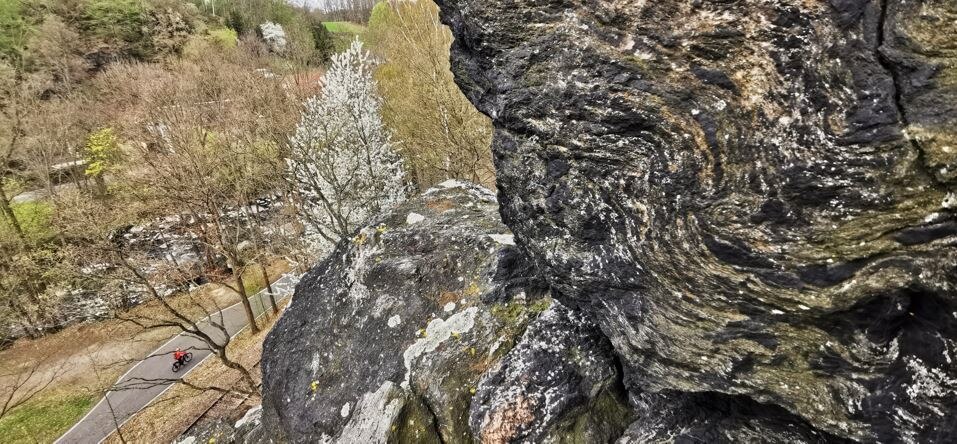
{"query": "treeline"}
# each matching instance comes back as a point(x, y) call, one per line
point(188, 139)
point(346, 10)
point(105, 31)
point(309, 42)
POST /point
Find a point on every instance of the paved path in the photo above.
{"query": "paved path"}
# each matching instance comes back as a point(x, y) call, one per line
point(130, 393)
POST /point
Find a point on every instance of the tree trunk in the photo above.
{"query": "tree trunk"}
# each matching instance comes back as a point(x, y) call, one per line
point(42, 314)
point(241, 289)
point(272, 295)
point(8, 212)
point(100, 185)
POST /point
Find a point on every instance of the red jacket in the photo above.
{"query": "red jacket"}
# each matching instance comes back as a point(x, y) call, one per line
point(178, 354)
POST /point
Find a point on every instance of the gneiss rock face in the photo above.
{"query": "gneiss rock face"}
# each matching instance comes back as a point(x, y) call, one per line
point(388, 339)
point(756, 200)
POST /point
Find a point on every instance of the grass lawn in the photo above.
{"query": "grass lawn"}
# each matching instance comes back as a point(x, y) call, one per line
point(343, 33)
point(344, 27)
point(44, 420)
point(225, 37)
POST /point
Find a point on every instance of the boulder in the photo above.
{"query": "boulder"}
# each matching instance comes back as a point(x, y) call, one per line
point(388, 338)
point(754, 200)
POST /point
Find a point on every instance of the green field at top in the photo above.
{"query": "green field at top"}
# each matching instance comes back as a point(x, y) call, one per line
point(344, 27)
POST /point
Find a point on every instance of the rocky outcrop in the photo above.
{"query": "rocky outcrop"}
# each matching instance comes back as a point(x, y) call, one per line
point(754, 200)
point(394, 337)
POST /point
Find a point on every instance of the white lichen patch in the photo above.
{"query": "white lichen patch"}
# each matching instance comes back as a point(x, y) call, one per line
point(414, 218)
point(475, 190)
point(453, 183)
point(448, 308)
point(929, 382)
point(950, 201)
point(365, 259)
point(344, 411)
point(627, 44)
point(316, 363)
point(504, 239)
point(438, 331)
point(374, 415)
point(252, 415)
point(394, 321)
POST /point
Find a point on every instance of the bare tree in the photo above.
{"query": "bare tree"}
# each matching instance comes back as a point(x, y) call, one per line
point(15, 104)
point(210, 150)
point(25, 278)
point(347, 10)
point(103, 260)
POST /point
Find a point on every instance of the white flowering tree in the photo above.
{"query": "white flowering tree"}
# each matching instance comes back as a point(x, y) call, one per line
point(343, 161)
point(274, 36)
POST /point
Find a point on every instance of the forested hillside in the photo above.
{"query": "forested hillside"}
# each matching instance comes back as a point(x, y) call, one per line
point(261, 221)
point(104, 102)
point(97, 95)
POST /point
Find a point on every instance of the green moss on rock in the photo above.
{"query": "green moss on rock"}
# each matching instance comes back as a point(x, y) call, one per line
point(414, 424)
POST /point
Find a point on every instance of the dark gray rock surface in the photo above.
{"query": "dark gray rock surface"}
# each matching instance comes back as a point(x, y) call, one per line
point(562, 364)
point(755, 200)
point(711, 418)
point(388, 339)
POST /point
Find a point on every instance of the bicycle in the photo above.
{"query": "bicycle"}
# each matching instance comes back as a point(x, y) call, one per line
point(182, 362)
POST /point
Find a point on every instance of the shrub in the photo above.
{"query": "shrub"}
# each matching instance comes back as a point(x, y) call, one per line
point(324, 41)
point(13, 29)
point(114, 20)
point(100, 153)
point(224, 37)
point(274, 36)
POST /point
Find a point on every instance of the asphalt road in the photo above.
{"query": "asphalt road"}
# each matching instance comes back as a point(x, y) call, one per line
point(152, 376)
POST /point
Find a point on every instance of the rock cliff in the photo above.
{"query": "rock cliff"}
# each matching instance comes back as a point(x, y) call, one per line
point(755, 201)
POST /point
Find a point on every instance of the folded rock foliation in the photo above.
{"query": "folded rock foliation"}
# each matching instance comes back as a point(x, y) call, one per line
point(754, 200)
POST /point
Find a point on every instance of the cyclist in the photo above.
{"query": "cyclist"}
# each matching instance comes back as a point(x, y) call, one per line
point(179, 355)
